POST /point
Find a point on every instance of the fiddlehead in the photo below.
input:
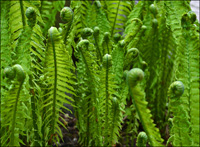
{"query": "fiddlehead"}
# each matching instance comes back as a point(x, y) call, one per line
point(107, 43)
point(153, 9)
point(130, 56)
point(86, 32)
point(181, 125)
point(176, 89)
point(107, 61)
point(9, 73)
point(141, 139)
point(117, 37)
point(31, 15)
point(135, 76)
point(66, 14)
point(97, 40)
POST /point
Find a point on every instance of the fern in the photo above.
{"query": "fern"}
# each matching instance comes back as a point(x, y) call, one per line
point(138, 98)
point(181, 125)
point(187, 70)
point(57, 66)
point(85, 63)
point(116, 120)
point(91, 101)
point(11, 108)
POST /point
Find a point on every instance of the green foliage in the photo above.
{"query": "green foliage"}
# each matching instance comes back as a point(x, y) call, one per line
point(112, 61)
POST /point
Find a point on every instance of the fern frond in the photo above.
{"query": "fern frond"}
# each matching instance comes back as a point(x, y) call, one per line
point(101, 21)
point(136, 25)
point(91, 15)
point(118, 62)
point(135, 13)
point(16, 15)
point(167, 57)
point(6, 49)
point(180, 130)
point(174, 16)
point(12, 112)
point(90, 67)
point(117, 16)
point(187, 69)
point(58, 68)
point(138, 98)
point(80, 15)
point(79, 22)
point(116, 120)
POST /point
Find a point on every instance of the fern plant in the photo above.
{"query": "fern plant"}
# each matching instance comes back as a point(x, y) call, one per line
point(112, 61)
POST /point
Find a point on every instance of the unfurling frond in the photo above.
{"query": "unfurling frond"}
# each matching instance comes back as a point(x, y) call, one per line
point(58, 73)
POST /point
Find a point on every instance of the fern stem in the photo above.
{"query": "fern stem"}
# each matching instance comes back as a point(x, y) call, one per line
point(113, 123)
point(98, 49)
point(188, 58)
point(55, 84)
point(67, 32)
point(107, 97)
point(22, 13)
point(14, 117)
point(107, 47)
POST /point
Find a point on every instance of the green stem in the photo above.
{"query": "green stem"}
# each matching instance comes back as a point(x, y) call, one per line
point(69, 26)
point(107, 103)
point(55, 85)
point(107, 47)
point(98, 49)
point(22, 13)
point(14, 117)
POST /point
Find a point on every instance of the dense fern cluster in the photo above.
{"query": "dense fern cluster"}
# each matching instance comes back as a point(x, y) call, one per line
point(113, 61)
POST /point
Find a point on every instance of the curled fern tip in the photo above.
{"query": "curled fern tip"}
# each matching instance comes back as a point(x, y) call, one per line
point(177, 88)
point(66, 14)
